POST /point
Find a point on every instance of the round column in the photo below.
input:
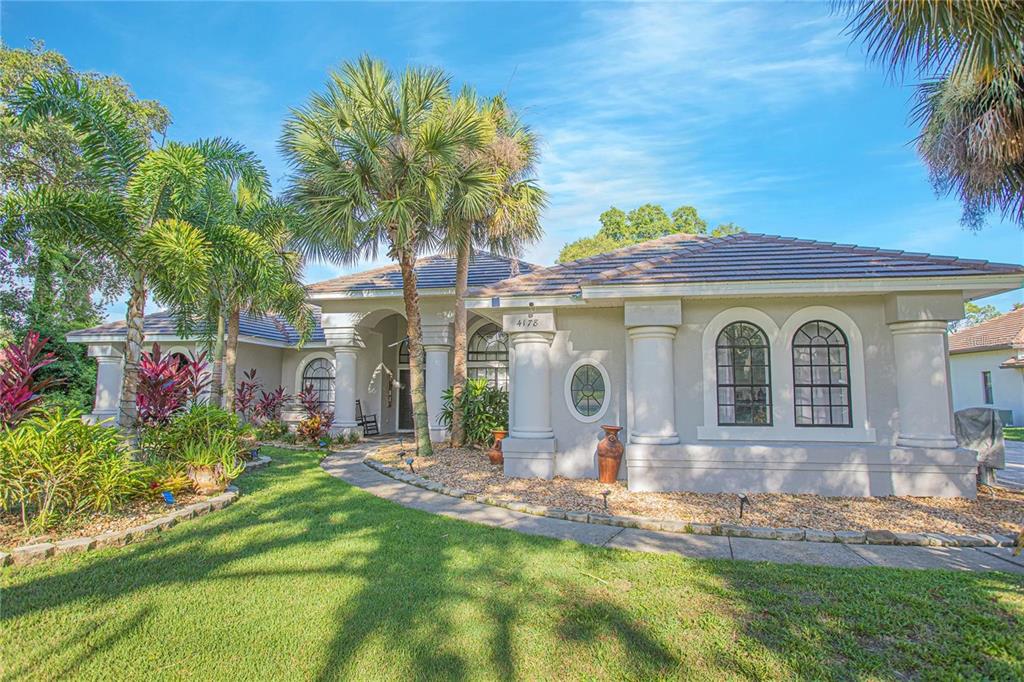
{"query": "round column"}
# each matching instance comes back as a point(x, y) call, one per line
point(653, 385)
point(531, 378)
point(344, 388)
point(922, 384)
point(437, 381)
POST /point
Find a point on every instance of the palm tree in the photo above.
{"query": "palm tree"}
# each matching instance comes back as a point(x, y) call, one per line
point(374, 160)
point(137, 211)
point(971, 104)
point(504, 224)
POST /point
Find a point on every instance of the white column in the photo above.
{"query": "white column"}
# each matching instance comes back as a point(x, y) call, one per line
point(653, 385)
point(922, 384)
point(438, 379)
point(344, 389)
point(531, 376)
point(109, 375)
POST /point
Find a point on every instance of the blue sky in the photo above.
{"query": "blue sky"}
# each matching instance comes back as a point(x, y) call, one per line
point(761, 114)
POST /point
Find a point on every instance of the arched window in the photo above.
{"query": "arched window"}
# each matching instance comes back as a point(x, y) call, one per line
point(744, 376)
point(821, 376)
point(403, 352)
point(320, 373)
point(487, 355)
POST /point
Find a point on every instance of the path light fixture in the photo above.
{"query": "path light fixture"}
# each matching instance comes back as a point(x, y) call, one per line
point(744, 501)
point(605, 494)
point(409, 461)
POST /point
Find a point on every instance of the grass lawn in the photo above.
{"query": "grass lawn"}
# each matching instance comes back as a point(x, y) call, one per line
point(308, 578)
point(1013, 432)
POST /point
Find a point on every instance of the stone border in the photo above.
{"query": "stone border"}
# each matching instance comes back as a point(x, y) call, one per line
point(31, 554)
point(851, 537)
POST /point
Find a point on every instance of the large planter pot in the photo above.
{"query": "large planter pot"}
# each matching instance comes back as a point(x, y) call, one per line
point(207, 480)
point(495, 454)
point(609, 455)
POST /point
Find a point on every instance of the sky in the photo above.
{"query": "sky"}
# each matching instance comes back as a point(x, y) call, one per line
point(762, 114)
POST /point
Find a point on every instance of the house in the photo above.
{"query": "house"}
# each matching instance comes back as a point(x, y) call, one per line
point(743, 363)
point(986, 364)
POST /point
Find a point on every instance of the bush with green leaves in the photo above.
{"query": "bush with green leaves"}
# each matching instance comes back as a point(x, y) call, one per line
point(485, 409)
point(195, 426)
point(272, 430)
point(54, 467)
point(219, 453)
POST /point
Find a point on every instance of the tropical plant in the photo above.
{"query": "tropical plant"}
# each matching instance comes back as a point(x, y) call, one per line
point(216, 458)
point(485, 409)
point(245, 395)
point(167, 385)
point(314, 428)
point(197, 424)
point(20, 391)
point(56, 466)
point(272, 430)
point(970, 103)
point(505, 222)
point(166, 475)
point(375, 160)
point(270, 406)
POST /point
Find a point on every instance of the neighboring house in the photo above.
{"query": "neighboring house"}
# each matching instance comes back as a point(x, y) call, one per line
point(986, 364)
point(744, 363)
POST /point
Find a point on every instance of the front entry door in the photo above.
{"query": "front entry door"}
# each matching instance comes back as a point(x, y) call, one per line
point(404, 401)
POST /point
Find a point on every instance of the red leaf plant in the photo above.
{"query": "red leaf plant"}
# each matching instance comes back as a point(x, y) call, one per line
point(167, 385)
point(197, 379)
point(270, 405)
point(20, 392)
point(245, 394)
point(318, 421)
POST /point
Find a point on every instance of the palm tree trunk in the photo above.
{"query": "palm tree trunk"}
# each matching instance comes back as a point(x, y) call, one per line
point(231, 359)
point(217, 367)
point(417, 381)
point(459, 362)
point(133, 350)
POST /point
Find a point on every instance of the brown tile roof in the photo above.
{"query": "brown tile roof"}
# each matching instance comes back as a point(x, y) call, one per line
point(431, 272)
point(1005, 331)
point(741, 257)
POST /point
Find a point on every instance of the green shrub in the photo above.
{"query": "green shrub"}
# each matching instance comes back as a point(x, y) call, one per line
point(220, 452)
point(55, 466)
point(314, 428)
point(196, 426)
point(272, 430)
point(167, 475)
point(485, 409)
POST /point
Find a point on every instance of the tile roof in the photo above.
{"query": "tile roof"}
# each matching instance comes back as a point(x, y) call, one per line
point(432, 272)
point(1005, 331)
point(681, 258)
point(268, 328)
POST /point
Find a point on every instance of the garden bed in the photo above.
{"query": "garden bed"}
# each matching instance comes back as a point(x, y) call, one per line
point(995, 511)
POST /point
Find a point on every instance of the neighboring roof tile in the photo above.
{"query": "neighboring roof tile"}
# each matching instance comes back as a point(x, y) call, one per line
point(737, 258)
point(269, 328)
point(1005, 331)
point(432, 272)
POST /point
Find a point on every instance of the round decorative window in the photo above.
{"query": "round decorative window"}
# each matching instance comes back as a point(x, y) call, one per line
point(586, 390)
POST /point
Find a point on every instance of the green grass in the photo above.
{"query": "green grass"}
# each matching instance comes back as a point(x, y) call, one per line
point(1013, 432)
point(306, 577)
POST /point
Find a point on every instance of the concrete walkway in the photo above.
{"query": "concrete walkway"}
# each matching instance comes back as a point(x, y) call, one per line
point(348, 466)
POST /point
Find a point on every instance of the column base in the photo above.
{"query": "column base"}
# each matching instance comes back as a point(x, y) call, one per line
point(345, 429)
point(915, 441)
point(99, 417)
point(529, 457)
point(438, 434)
point(654, 439)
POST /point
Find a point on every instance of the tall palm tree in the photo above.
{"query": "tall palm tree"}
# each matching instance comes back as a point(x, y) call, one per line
point(504, 224)
point(137, 211)
point(970, 105)
point(374, 160)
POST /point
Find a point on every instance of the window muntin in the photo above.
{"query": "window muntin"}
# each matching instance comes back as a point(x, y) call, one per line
point(986, 388)
point(487, 355)
point(403, 352)
point(587, 390)
point(744, 376)
point(320, 373)
point(821, 376)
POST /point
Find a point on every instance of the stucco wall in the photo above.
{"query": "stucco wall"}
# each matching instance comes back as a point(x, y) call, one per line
point(1007, 384)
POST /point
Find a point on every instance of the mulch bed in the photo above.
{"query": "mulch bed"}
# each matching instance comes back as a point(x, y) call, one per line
point(135, 514)
point(996, 510)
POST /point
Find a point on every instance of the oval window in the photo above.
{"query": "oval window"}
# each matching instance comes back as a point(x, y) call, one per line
point(587, 390)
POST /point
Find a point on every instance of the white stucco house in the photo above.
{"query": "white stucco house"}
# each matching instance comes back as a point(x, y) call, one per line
point(986, 364)
point(744, 363)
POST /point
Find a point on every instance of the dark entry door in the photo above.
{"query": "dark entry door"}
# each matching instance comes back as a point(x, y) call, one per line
point(404, 401)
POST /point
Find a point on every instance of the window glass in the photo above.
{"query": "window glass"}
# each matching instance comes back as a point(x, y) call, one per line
point(320, 373)
point(587, 390)
point(744, 376)
point(821, 376)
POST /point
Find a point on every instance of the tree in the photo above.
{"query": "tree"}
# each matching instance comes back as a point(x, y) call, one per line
point(375, 160)
point(974, 314)
point(970, 103)
point(135, 212)
point(643, 223)
point(504, 223)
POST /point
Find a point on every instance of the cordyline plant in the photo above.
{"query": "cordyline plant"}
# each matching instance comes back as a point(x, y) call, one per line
point(167, 385)
point(245, 394)
point(318, 421)
point(20, 392)
point(270, 405)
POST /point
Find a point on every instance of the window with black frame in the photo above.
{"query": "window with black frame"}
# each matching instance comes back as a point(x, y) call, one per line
point(821, 376)
point(744, 376)
point(320, 374)
point(487, 356)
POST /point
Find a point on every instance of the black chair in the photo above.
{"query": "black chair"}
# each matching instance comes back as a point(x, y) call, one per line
point(367, 421)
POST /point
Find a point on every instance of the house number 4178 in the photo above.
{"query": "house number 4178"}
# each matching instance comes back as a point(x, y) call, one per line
point(527, 323)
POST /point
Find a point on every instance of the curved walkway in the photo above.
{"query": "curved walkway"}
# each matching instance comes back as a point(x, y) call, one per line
point(348, 466)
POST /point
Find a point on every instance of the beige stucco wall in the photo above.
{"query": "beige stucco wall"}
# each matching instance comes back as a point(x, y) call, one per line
point(1007, 384)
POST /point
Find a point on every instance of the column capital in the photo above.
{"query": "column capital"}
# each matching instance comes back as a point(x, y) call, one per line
point(104, 352)
point(652, 332)
point(345, 350)
point(519, 338)
point(344, 336)
point(919, 327)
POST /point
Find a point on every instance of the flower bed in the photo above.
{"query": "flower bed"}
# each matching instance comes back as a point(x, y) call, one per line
point(996, 511)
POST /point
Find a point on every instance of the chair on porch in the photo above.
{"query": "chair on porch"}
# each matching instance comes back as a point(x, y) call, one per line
point(367, 421)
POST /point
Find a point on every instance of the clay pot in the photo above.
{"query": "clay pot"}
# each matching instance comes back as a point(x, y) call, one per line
point(206, 479)
point(609, 455)
point(495, 454)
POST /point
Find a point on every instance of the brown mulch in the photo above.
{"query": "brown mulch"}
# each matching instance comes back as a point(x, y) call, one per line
point(135, 514)
point(996, 510)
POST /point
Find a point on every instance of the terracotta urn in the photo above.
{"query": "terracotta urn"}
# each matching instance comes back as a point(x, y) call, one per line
point(495, 454)
point(609, 455)
point(206, 479)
